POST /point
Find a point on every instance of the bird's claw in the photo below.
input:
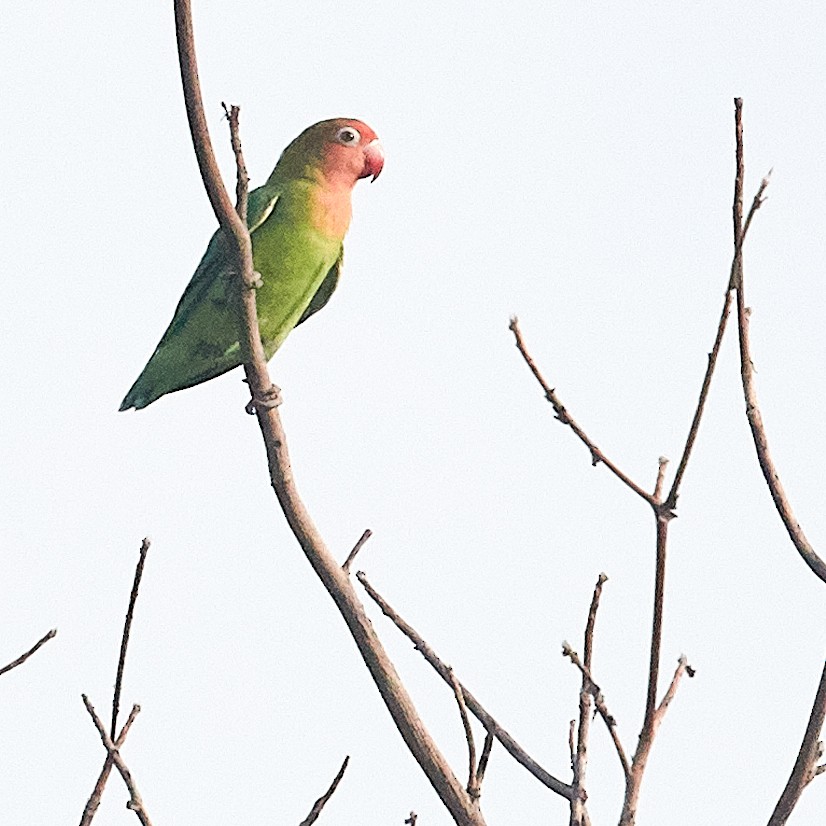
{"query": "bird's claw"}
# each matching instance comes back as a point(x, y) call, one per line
point(257, 281)
point(268, 400)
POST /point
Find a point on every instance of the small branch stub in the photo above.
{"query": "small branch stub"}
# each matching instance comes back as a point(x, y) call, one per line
point(356, 548)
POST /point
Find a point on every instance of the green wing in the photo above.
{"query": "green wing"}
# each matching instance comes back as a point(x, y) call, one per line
point(299, 267)
point(327, 288)
point(213, 273)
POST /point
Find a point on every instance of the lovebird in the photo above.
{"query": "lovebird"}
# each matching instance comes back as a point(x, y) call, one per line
point(297, 222)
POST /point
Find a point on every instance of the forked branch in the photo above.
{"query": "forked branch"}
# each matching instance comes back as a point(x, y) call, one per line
point(135, 802)
point(475, 707)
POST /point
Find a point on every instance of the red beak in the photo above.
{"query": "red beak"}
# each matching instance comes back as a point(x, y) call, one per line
point(373, 160)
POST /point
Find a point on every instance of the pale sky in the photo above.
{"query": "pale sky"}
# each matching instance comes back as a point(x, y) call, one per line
point(571, 163)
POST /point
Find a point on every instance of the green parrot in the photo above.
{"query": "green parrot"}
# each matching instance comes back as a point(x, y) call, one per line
point(297, 222)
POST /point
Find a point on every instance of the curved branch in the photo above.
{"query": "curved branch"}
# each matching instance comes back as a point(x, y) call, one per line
point(335, 580)
point(758, 430)
point(761, 444)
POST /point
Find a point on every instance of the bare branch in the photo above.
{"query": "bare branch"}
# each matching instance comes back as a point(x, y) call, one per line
point(472, 785)
point(579, 755)
point(657, 622)
point(511, 746)
point(483, 760)
point(805, 767)
point(356, 548)
point(652, 717)
point(682, 668)
point(592, 618)
point(23, 657)
point(227, 217)
point(265, 398)
point(262, 390)
point(761, 443)
point(135, 802)
point(737, 206)
point(599, 701)
point(93, 802)
point(694, 429)
point(322, 801)
point(242, 179)
point(755, 419)
point(127, 626)
point(561, 413)
point(735, 278)
point(649, 731)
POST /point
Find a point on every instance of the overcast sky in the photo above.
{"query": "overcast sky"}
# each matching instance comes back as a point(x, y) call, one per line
point(568, 162)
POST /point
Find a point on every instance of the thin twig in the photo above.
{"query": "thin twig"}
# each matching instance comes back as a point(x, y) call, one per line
point(264, 402)
point(356, 548)
point(472, 785)
point(735, 278)
point(805, 767)
point(322, 801)
point(511, 746)
point(127, 627)
point(643, 752)
point(242, 179)
point(592, 618)
point(483, 760)
point(579, 762)
point(23, 657)
point(561, 413)
point(135, 802)
point(94, 799)
point(599, 702)
point(694, 429)
point(737, 206)
point(682, 668)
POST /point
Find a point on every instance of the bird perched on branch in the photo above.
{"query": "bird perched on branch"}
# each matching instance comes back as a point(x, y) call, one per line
point(297, 222)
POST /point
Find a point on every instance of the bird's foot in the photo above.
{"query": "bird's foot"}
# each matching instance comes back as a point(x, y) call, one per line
point(257, 281)
point(268, 400)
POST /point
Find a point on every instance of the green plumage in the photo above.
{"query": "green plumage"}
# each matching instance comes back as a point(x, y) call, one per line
point(297, 223)
point(203, 339)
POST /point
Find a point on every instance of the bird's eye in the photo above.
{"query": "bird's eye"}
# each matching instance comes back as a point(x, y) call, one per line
point(348, 136)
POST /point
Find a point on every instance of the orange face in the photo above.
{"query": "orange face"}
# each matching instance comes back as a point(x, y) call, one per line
point(351, 151)
point(344, 149)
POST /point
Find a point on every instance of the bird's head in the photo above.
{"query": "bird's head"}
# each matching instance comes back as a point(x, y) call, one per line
point(342, 149)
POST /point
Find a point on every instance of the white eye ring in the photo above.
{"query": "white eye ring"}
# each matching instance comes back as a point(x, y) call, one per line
point(348, 136)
